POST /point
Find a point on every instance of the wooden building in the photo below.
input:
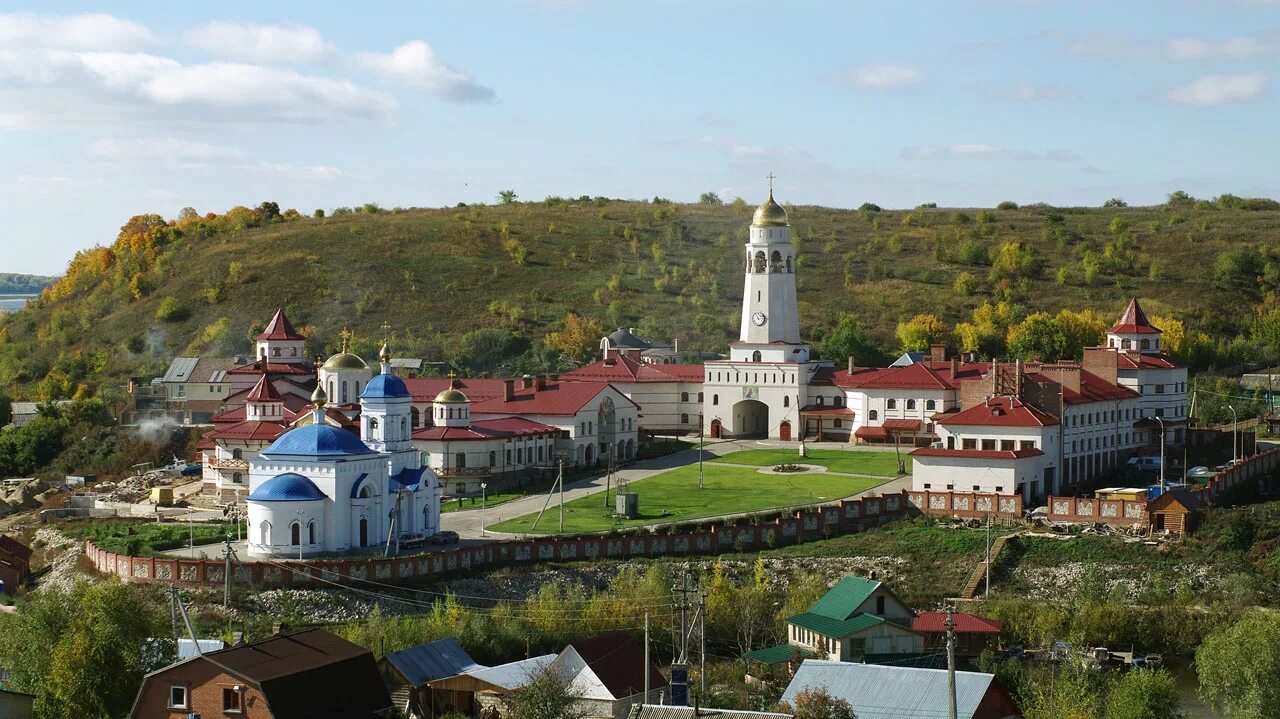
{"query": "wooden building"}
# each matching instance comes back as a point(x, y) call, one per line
point(1177, 511)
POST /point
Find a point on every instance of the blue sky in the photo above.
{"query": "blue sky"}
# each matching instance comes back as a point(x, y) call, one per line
point(109, 110)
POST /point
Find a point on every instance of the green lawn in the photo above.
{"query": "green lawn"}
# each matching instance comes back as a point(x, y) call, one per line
point(674, 496)
point(880, 464)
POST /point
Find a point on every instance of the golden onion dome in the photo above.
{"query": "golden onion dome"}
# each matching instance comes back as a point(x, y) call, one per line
point(451, 395)
point(318, 397)
point(345, 360)
point(384, 354)
point(770, 214)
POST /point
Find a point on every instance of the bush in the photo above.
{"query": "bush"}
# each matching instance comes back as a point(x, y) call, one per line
point(1007, 205)
point(170, 311)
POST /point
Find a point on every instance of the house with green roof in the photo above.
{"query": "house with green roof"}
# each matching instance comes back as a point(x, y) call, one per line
point(857, 620)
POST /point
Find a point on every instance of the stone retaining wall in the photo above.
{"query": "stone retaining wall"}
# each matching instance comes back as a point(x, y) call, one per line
point(846, 517)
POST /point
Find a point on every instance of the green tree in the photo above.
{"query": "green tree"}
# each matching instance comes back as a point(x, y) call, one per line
point(507, 197)
point(1143, 695)
point(1238, 665)
point(1086, 328)
point(170, 311)
point(1038, 336)
point(850, 338)
point(579, 339)
point(919, 332)
point(710, 198)
point(965, 283)
point(818, 704)
point(82, 652)
point(1115, 202)
point(484, 348)
point(546, 696)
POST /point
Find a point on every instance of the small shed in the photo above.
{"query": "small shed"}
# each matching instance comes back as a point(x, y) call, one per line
point(1176, 511)
point(408, 672)
point(481, 691)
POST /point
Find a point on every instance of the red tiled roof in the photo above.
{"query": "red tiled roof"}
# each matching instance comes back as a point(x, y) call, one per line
point(621, 368)
point(251, 431)
point(425, 389)
point(869, 432)
point(976, 453)
point(1092, 389)
point(280, 329)
point(293, 406)
point(263, 391)
point(903, 425)
point(1137, 360)
point(262, 366)
point(1134, 321)
point(964, 623)
point(921, 375)
point(557, 398)
point(826, 410)
point(1001, 412)
point(486, 429)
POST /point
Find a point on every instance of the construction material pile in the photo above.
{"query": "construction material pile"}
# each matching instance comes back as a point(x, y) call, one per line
point(133, 489)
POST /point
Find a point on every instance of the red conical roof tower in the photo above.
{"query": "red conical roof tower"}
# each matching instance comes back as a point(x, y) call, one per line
point(280, 329)
point(1134, 322)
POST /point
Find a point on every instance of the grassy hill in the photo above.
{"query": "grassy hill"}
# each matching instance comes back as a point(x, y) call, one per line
point(206, 284)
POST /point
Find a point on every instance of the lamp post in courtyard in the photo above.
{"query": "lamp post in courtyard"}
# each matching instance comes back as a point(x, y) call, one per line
point(1235, 421)
point(1159, 419)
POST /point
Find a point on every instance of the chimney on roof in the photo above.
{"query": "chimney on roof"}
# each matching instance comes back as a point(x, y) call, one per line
point(526, 382)
point(851, 364)
point(508, 389)
point(540, 383)
point(938, 352)
point(955, 367)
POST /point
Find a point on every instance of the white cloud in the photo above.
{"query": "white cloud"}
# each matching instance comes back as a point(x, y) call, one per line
point(242, 91)
point(302, 172)
point(73, 32)
point(1103, 46)
point(164, 149)
point(1213, 90)
point(879, 76)
point(268, 44)
point(982, 151)
point(414, 65)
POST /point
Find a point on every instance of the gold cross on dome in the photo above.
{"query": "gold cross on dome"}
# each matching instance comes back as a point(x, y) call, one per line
point(345, 335)
point(452, 374)
point(771, 176)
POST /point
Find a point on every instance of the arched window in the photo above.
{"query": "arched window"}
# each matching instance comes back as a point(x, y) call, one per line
point(891, 403)
point(236, 478)
point(236, 453)
point(684, 396)
point(873, 415)
point(344, 391)
point(699, 396)
point(275, 351)
point(786, 400)
point(295, 534)
point(493, 458)
point(837, 401)
point(264, 533)
point(415, 416)
point(788, 263)
point(519, 455)
point(775, 262)
point(821, 401)
point(1146, 344)
point(684, 419)
point(760, 262)
point(331, 394)
point(930, 405)
point(755, 356)
point(1126, 344)
point(460, 460)
point(404, 429)
point(373, 423)
point(715, 399)
point(311, 532)
point(911, 404)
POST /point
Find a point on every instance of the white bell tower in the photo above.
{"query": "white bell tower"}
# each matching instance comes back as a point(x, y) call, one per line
point(770, 314)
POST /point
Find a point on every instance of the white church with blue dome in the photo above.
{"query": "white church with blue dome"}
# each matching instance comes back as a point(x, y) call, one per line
point(321, 489)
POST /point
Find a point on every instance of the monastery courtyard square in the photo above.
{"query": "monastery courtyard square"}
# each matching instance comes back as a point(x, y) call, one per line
point(735, 482)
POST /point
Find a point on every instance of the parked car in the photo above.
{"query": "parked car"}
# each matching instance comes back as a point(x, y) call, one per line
point(444, 537)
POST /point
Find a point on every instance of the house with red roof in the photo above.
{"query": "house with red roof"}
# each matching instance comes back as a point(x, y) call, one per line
point(500, 430)
point(670, 394)
point(1143, 366)
point(973, 633)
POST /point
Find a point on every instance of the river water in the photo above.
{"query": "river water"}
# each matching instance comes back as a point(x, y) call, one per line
point(10, 303)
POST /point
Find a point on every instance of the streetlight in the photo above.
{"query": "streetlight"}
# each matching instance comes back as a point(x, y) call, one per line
point(1234, 422)
point(483, 507)
point(1159, 419)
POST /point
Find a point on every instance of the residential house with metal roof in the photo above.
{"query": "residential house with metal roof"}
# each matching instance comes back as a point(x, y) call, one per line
point(310, 673)
point(876, 691)
point(408, 673)
point(477, 690)
point(858, 619)
point(663, 711)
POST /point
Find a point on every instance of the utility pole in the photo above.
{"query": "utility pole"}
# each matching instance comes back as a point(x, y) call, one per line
point(700, 438)
point(645, 700)
point(987, 591)
point(951, 662)
point(560, 481)
point(226, 578)
point(702, 640)
point(680, 670)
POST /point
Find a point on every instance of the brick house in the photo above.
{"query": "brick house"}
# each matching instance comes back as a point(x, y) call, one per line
point(310, 673)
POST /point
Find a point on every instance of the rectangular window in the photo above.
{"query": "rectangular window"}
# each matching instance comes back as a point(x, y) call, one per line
point(968, 443)
point(1027, 444)
point(1159, 389)
point(1006, 445)
point(177, 696)
point(988, 444)
point(230, 700)
point(838, 423)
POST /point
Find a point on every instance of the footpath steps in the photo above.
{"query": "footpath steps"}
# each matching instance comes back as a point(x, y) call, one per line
point(980, 571)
